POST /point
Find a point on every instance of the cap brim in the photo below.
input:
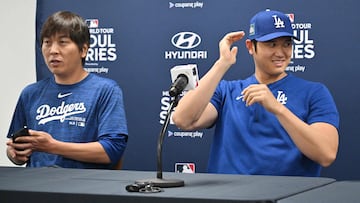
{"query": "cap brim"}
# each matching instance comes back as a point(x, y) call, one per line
point(275, 35)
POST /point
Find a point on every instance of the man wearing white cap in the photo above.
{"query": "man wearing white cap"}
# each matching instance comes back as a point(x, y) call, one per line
point(271, 123)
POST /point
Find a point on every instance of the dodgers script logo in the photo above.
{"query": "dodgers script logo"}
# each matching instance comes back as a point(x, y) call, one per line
point(47, 113)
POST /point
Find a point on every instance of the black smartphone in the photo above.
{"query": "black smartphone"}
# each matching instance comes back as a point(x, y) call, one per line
point(22, 132)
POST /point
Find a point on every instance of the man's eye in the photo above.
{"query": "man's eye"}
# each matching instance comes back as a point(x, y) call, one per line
point(288, 44)
point(272, 44)
point(46, 42)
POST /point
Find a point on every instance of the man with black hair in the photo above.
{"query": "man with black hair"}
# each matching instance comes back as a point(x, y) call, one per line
point(271, 123)
point(75, 119)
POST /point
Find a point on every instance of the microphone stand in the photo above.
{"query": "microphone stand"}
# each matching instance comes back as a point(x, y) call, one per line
point(159, 181)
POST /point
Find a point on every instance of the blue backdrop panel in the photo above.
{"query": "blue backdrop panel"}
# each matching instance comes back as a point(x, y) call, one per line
point(131, 43)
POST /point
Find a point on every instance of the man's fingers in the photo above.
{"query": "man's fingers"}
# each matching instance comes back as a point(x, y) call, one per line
point(235, 36)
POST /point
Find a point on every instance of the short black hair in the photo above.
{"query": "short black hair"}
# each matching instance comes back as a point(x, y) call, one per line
point(68, 23)
point(254, 43)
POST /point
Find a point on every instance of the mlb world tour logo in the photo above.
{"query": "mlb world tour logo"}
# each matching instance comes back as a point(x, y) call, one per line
point(101, 46)
point(304, 47)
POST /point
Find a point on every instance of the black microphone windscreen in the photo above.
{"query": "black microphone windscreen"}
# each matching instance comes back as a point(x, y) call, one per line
point(179, 85)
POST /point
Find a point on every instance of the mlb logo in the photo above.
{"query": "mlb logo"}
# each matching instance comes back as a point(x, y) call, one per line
point(92, 23)
point(81, 124)
point(185, 168)
point(291, 17)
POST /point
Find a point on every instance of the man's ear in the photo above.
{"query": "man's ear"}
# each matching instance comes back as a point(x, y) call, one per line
point(84, 50)
point(250, 46)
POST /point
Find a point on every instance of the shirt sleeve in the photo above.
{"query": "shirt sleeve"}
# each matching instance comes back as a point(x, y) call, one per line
point(323, 107)
point(114, 145)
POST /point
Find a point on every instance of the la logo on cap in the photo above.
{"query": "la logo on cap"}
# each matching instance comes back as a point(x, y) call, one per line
point(278, 22)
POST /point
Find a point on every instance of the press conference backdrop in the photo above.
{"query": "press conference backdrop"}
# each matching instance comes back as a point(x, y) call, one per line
point(135, 43)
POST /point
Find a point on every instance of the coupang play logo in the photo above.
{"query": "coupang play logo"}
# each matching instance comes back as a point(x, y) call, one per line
point(304, 47)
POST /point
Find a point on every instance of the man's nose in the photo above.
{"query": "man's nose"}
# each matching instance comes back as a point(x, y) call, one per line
point(54, 48)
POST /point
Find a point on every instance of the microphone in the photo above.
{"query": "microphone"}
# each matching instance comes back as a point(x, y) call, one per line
point(179, 85)
point(184, 77)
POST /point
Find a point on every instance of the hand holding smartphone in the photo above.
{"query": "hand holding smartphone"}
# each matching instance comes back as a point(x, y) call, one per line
point(22, 132)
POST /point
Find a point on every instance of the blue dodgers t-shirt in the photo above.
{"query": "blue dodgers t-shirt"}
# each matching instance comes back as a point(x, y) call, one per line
point(88, 111)
point(250, 140)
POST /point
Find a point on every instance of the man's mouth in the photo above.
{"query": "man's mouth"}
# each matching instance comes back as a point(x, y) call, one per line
point(278, 62)
point(55, 62)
